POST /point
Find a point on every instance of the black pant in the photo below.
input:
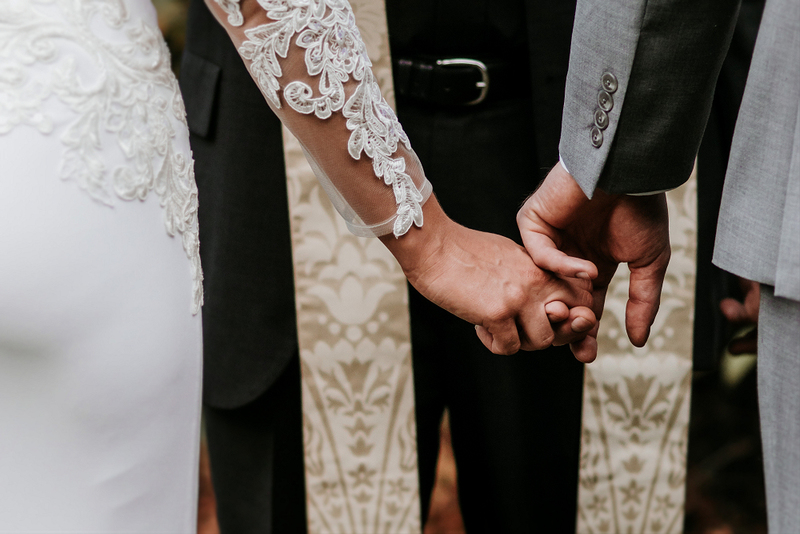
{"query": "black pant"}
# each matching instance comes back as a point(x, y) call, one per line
point(515, 420)
point(257, 467)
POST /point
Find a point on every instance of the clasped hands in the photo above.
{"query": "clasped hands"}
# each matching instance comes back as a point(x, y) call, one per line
point(552, 291)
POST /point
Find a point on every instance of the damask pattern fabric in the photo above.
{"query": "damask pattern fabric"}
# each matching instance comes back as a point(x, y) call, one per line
point(636, 401)
point(353, 328)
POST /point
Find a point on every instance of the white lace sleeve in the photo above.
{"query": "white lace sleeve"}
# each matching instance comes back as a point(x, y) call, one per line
point(309, 60)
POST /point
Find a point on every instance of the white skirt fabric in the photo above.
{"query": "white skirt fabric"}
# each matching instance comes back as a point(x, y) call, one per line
point(100, 354)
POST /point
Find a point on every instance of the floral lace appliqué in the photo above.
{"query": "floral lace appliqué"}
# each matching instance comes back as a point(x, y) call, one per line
point(131, 94)
point(334, 52)
point(231, 7)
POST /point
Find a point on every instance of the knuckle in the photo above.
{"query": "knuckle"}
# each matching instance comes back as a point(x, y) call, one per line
point(549, 338)
point(515, 296)
point(546, 340)
point(584, 298)
point(506, 347)
point(497, 317)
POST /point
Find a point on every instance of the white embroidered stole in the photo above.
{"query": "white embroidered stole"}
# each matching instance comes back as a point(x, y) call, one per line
point(352, 316)
point(636, 401)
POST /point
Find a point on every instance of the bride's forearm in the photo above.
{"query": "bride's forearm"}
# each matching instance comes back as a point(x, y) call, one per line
point(310, 62)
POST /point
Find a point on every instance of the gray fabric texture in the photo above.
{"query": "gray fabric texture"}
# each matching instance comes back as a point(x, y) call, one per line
point(758, 236)
point(666, 55)
point(787, 279)
point(779, 406)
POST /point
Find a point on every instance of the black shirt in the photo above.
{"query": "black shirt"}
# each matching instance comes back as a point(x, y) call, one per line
point(457, 28)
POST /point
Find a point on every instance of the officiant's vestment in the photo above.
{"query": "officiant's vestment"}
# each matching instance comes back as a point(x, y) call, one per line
point(515, 420)
point(507, 415)
point(639, 92)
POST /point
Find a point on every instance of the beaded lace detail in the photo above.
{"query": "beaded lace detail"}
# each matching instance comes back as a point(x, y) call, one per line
point(128, 91)
point(334, 54)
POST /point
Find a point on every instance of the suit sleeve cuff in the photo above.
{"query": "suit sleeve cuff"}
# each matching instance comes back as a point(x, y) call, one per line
point(643, 194)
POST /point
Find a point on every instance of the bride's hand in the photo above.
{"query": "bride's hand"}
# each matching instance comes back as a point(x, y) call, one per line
point(491, 282)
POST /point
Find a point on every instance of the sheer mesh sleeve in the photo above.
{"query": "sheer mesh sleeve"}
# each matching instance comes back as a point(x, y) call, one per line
point(310, 62)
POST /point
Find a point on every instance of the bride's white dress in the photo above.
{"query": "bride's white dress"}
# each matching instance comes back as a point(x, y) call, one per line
point(100, 281)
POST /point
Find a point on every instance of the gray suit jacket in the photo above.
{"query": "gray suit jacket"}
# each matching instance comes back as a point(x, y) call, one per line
point(639, 89)
point(758, 236)
point(648, 69)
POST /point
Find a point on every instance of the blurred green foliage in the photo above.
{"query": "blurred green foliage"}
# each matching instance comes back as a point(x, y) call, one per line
point(172, 21)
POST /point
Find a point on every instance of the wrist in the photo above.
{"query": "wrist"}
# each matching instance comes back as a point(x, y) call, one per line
point(557, 201)
point(419, 245)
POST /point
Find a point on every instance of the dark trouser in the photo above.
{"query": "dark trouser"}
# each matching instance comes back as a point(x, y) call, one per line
point(515, 423)
point(257, 460)
point(515, 420)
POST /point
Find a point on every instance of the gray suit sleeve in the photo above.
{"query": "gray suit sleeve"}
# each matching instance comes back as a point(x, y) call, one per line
point(639, 90)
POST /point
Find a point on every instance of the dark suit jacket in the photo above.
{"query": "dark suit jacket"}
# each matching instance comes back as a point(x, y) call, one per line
point(249, 325)
point(249, 315)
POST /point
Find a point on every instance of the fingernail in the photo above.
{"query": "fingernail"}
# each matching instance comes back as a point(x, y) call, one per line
point(581, 325)
point(582, 275)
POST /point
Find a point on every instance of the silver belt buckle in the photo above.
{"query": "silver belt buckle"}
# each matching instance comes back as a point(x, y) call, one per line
point(483, 85)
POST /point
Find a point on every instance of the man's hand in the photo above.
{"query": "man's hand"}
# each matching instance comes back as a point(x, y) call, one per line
point(491, 282)
point(744, 314)
point(562, 229)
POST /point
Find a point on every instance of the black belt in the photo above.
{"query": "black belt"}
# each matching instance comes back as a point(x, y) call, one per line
point(460, 81)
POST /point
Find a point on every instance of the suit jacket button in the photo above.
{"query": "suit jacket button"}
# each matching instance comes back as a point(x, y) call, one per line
point(601, 119)
point(605, 101)
point(610, 82)
point(597, 137)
